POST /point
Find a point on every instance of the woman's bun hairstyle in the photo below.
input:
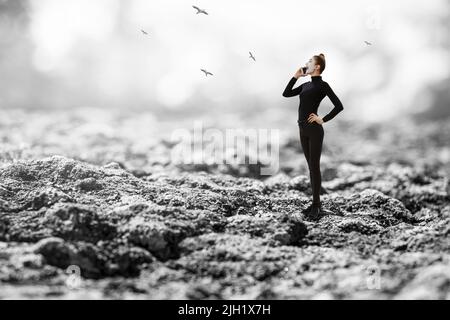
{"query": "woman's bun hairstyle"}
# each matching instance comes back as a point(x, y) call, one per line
point(320, 60)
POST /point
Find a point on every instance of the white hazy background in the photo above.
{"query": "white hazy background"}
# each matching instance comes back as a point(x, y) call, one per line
point(91, 53)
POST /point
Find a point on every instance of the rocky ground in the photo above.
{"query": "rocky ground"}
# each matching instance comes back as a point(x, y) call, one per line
point(99, 197)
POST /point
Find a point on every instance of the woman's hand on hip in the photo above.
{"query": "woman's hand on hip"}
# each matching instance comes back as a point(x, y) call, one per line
point(314, 117)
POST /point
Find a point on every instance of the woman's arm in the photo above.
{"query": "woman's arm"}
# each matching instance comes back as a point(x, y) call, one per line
point(338, 107)
point(289, 92)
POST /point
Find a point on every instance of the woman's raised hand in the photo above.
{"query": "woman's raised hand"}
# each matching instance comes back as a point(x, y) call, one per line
point(299, 73)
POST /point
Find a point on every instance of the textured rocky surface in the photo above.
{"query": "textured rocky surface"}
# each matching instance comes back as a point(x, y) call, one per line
point(199, 235)
point(136, 226)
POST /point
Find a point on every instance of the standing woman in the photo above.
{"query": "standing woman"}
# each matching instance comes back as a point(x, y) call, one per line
point(310, 124)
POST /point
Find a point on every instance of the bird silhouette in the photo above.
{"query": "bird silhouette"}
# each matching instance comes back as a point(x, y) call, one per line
point(206, 72)
point(368, 43)
point(251, 56)
point(144, 32)
point(200, 10)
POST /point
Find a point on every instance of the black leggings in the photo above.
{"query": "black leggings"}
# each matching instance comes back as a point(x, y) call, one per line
point(311, 138)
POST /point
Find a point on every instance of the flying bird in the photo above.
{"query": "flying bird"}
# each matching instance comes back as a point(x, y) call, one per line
point(206, 72)
point(251, 56)
point(368, 43)
point(200, 10)
point(144, 32)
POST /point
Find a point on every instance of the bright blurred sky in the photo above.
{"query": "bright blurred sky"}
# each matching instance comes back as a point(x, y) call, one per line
point(95, 47)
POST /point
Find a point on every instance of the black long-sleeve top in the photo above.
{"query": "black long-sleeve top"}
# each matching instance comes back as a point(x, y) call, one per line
point(311, 94)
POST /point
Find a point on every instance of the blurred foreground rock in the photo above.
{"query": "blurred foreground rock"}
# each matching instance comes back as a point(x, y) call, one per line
point(201, 235)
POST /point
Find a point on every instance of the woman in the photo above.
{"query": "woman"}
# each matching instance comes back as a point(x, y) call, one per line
point(310, 124)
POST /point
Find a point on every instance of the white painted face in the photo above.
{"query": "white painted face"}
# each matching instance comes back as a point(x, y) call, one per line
point(310, 65)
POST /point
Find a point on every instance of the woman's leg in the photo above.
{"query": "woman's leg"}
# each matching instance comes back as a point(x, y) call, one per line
point(305, 142)
point(315, 143)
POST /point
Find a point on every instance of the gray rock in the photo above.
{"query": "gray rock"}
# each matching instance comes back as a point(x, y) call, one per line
point(209, 235)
